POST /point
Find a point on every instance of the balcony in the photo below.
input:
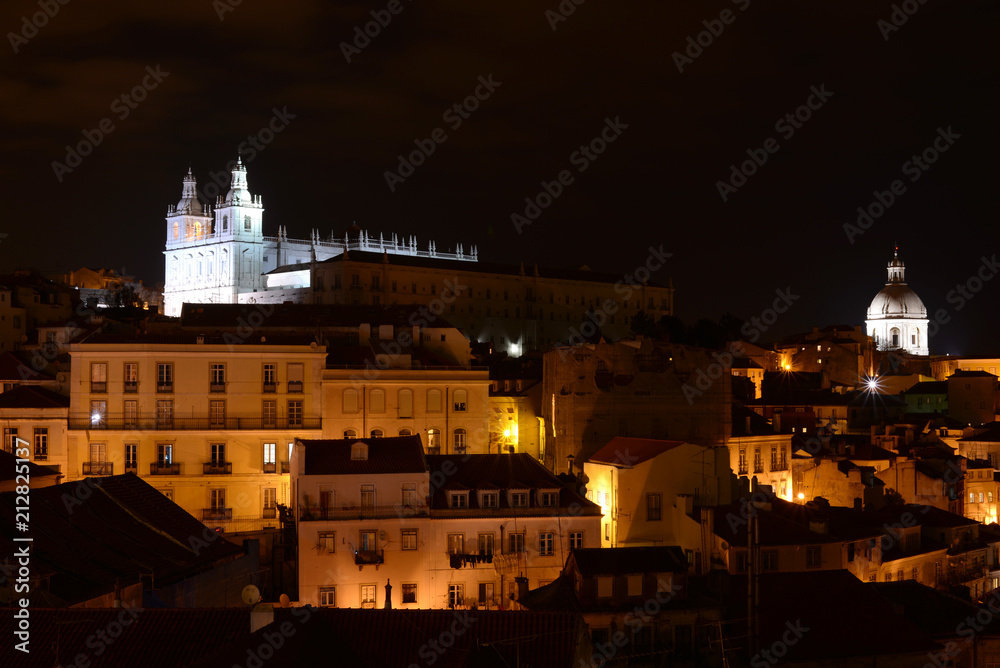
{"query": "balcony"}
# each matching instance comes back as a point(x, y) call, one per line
point(369, 557)
point(132, 467)
point(96, 386)
point(295, 386)
point(164, 469)
point(165, 388)
point(269, 388)
point(218, 468)
point(217, 387)
point(131, 387)
point(363, 512)
point(270, 513)
point(217, 514)
point(205, 422)
point(270, 467)
point(98, 468)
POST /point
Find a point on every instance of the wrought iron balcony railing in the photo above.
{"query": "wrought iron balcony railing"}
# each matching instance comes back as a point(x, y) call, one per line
point(98, 468)
point(363, 512)
point(218, 468)
point(164, 469)
point(152, 422)
point(367, 557)
point(217, 514)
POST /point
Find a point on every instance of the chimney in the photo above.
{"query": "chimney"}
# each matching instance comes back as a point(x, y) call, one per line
point(857, 503)
point(522, 587)
point(261, 616)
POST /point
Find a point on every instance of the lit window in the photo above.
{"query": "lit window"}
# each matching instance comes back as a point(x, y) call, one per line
point(409, 592)
point(327, 541)
point(328, 597)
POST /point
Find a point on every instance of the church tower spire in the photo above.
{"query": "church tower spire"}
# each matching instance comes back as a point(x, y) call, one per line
point(238, 189)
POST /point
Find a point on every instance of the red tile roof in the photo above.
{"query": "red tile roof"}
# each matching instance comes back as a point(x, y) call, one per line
point(622, 560)
point(30, 396)
point(13, 367)
point(394, 454)
point(8, 471)
point(626, 452)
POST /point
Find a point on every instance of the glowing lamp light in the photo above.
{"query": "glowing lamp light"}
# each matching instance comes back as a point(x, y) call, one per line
point(787, 366)
point(801, 496)
point(95, 418)
point(515, 349)
point(506, 433)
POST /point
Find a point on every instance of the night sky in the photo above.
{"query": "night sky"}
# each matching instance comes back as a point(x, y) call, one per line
point(887, 93)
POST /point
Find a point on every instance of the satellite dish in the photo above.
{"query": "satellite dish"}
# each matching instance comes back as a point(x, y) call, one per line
point(250, 594)
point(285, 601)
point(381, 535)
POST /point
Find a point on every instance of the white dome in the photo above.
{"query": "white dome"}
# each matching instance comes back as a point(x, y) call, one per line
point(896, 300)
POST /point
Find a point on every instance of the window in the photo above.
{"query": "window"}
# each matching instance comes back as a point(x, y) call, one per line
point(433, 401)
point(456, 595)
point(368, 596)
point(164, 454)
point(368, 541)
point(914, 573)
point(605, 586)
point(972, 497)
point(41, 443)
point(295, 377)
point(327, 542)
point(217, 413)
point(491, 499)
point(519, 499)
point(270, 462)
point(217, 378)
point(376, 402)
point(98, 412)
point(359, 451)
point(485, 543)
point(515, 542)
point(269, 413)
point(550, 499)
point(545, 543)
point(10, 439)
point(456, 543)
point(405, 432)
point(164, 413)
point(460, 401)
point(377, 433)
point(575, 539)
point(217, 498)
point(165, 377)
point(270, 501)
point(327, 498)
point(246, 223)
point(368, 496)
point(406, 403)
point(460, 441)
point(758, 467)
point(814, 556)
point(410, 494)
point(486, 594)
point(433, 441)
point(295, 413)
point(743, 460)
point(98, 377)
point(328, 597)
point(131, 413)
point(653, 507)
point(989, 497)
point(459, 500)
point(350, 400)
point(350, 433)
point(633, 584)
point(409, 592)
point(270, 378)
point(769, 560)
point(980, 497)
point(218, 454)
point(409, 539)
point(131, 456)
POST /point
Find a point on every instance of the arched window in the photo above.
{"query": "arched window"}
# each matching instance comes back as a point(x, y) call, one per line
point(894, 337)
point(377, 433)
point(433, 401)
point(405, 432)
point(433, 440)
point(350, 400)
point(377, 403)
point(461, 400)
point(460, 442)
point(406, 403)
point(350, 433)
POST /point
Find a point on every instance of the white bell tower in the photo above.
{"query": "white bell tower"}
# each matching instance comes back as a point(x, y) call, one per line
point(239, 220)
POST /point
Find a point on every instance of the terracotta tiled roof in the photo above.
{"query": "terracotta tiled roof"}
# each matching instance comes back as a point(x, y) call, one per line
point(8, 472)
point(622, 560)
point(30, 396)
point(625, 452)
point(394, 454)
point(91, 532)
point(13, 368)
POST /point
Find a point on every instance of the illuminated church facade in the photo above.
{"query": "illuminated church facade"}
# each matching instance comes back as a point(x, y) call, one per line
point(897, 318)
point(219, 255)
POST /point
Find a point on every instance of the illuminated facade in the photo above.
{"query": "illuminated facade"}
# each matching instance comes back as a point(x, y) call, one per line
point(897, 319)
point(220, 255)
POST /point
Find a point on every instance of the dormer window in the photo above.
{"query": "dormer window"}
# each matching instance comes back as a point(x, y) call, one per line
point(518, 499)
point(490, 500)
point(359, 451)
point(549, 499)
point(458, 500)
